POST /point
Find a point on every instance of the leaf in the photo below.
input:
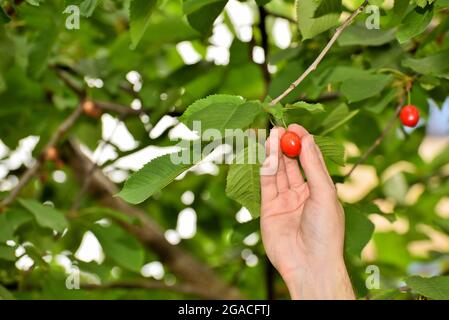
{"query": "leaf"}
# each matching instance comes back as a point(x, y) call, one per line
point(360, 88)
point(359, 230)
point(139, 15)
point(311, 107)
point(5, 294)
point(315, 17)
point(414, 23)
point(331, 149)
point(221, 113)
point(122, 249)
point(4, 18)
point(10, 221)
point(153, 177)
point(7, 253)
point(243, 182)
point(359, 35)
point(339, 116)
point(201, 14)
point(87, 7)
point(433, 65)
point(435, 287)
point(46, 216)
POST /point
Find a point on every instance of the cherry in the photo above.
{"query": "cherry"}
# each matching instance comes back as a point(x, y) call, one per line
point(51, 154)
point(409, 115)
point(291, 144)
point(90, 109)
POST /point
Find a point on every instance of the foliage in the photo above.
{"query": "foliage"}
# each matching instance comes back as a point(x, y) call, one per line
point(48, 70)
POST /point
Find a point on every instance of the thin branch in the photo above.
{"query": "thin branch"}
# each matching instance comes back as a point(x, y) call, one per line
point(146, 284)
point(33, 170)
point(323, 53)
point(378, 141)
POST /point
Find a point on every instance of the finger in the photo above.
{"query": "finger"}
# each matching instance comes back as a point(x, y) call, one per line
point(269, 168)
point(294, 175)
point(281, 176)
point(299, 130)
point(315, 170)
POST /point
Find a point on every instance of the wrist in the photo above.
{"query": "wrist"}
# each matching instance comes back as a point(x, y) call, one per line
point(323, 282)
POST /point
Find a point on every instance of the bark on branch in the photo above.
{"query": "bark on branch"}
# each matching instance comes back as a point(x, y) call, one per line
point(147, 232)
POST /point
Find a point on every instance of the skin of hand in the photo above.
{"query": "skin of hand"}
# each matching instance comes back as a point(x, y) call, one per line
point(302, 223)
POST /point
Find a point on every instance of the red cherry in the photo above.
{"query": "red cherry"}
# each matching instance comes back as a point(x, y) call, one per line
point(291, 144)
point(409, 115)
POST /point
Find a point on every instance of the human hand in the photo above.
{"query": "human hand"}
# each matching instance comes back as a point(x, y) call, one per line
point(302, 223)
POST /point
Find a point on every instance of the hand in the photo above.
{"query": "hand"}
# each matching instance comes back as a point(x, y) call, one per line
point(302, 223)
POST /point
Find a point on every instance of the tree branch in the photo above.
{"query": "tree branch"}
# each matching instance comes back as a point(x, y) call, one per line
point(148, 232)
point(378, 141)
point(323, 53)
point(147, 284)
point(32, 171)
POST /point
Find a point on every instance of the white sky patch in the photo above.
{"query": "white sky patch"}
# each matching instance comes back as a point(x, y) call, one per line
point(94, 82)
point(24, 263)
point(117, 176)
point(252, 239)
point(163, 124)
point(138, 159)
point(282, 34)
point(188, 197)
point(243, 215)
point(172, 236)
point(4, 150)
point(135, 79)
point(252, 260)
point(136, 104)
point(64, 262)
point(221, 41)
point(90, 249)
point(181, 131)
point(3, 171)
point(219, 55)
point(221, 36)
point(258, 55)
point(120, 134)
point(23, 153)
point(154, 270)
point(9, 183)
point(186, 226)
point(188, 53)
point(59, 176)
point(242, 18)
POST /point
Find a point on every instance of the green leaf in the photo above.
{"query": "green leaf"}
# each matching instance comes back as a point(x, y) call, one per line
point(5, 294)
point(435, 288)
point(315, 17)
point(311, 107)
point(360, 88)
point(10, 221)
point(243, 181)
point(153, 177)
point(414, 23)
point(221, 113)
point(4, 18)
point(433, 65)
point(7, 253)
point(359, 35)
point(122, 249)
point(201, 14)
point(339, 116)
point(331, 149)
point(87, 7)
point(46, 216)
point(359, 230)
point(139, 15)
